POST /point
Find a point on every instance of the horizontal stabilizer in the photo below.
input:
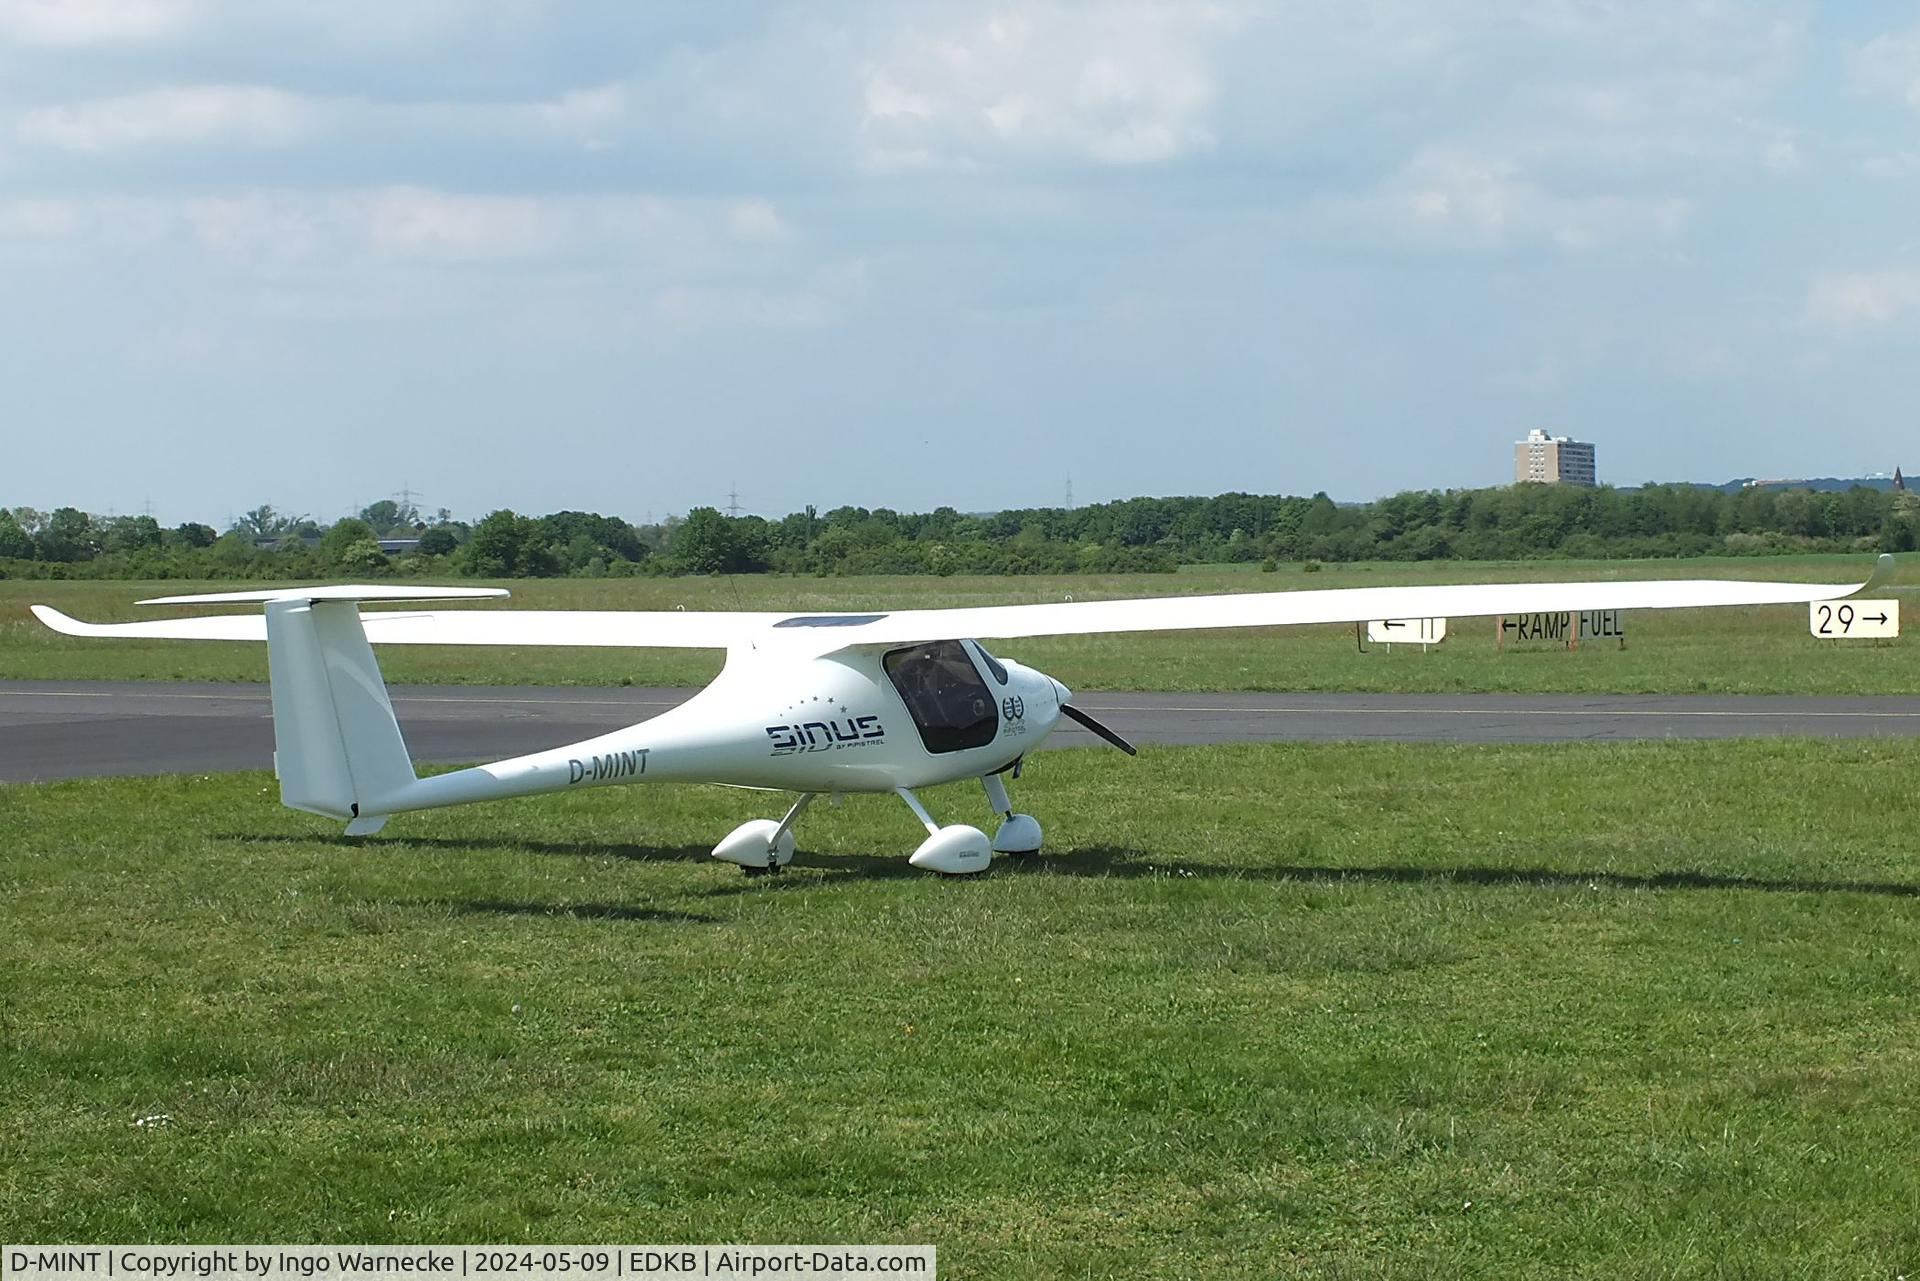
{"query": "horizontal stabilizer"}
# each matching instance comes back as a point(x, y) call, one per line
point(235, 627)
point(675, 629)
point(362, 591)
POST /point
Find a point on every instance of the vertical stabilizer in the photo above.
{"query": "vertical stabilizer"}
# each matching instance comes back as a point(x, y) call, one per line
point(338, 749)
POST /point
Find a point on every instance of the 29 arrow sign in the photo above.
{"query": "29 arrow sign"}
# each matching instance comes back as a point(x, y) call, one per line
point(1854, 619)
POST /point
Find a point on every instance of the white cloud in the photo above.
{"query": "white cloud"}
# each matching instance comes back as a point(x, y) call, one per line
point(687, 238)
point(1847, 301)
point(1889, 66)
point(255, 227)
point(39, 219)
point(1111, 84)
point(363, 23)
point(261, 116)
point(124, 222)
point(594, 117)
point(886, 100)
point(63, 23)
point(756, 222)
point(352, 23)
point(1891, 165)
point(1783, 158)
point(246, 115)
point(705, 307)
point(416, 222)
point(1446, 197)
point(173, 348)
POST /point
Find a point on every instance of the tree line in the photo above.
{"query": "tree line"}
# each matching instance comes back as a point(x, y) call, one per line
point(1133, 535)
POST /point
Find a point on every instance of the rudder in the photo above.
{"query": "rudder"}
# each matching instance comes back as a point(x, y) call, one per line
point(337, 746)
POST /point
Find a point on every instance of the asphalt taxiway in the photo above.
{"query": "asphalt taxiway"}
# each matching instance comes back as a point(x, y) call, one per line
point(80, 729)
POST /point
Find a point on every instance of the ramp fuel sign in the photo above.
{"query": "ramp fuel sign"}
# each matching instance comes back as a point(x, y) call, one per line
point(1566, 628)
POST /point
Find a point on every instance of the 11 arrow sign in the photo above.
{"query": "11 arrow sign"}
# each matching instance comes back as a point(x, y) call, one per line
point(1407, 631)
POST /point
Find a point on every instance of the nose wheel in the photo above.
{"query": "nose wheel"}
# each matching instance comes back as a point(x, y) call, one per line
point(1019, 835)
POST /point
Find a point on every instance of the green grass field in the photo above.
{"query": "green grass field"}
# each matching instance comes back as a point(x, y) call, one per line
point(1609, 1011)
point(1717, 651)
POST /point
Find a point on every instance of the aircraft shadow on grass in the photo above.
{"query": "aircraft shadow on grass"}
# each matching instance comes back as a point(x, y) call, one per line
point(1098, 861)
point(519, 907)
point(398, 844)
point(578, 911)
point(1109, 861)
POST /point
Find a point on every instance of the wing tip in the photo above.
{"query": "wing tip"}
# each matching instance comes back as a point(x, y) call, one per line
point(1884, 569)
point(58, 621)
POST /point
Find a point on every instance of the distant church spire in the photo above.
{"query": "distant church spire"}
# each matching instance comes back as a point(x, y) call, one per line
point(1899, 482)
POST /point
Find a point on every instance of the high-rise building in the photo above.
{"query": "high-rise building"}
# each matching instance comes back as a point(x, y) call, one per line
point(1552, 460)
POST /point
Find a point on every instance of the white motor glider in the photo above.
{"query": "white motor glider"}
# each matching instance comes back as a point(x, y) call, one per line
point(807, 703)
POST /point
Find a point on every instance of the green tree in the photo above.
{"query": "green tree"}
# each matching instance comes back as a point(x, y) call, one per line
point(67, 536)
point(705, 544)
point(709, 543)
point(132, 534)
point(387, 516)
point(381, 516)
point(235, 553)
point(505, 545)
point(264, 522)
point(343, 536)
point(437, 542)
point(363, 556)
point(14, 541)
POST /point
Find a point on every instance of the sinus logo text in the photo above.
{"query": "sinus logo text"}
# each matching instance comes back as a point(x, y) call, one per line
point(825, 736)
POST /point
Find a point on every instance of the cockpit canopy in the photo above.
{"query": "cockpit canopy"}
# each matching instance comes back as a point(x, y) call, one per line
point(945, 694)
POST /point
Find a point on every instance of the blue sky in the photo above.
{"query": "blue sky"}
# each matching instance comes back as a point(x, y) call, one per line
point(627, 257)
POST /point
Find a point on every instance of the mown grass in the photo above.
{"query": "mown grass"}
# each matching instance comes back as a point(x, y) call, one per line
point(1373, 1010)
point(1699, 651)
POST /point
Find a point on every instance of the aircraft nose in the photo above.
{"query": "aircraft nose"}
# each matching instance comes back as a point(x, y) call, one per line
point(1061, 692)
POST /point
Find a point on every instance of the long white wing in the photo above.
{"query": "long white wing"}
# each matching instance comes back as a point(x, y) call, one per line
point(1338, 605)
point(824, 633)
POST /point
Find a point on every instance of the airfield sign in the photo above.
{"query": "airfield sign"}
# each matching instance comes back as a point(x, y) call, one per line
point(1854, 619)
point(1566, 627)
point(1407, 631)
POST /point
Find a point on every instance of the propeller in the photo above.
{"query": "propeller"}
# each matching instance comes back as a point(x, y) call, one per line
point(1073, 713)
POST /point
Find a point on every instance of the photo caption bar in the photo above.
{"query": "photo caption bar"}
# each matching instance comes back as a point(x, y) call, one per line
point(517, 1263)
